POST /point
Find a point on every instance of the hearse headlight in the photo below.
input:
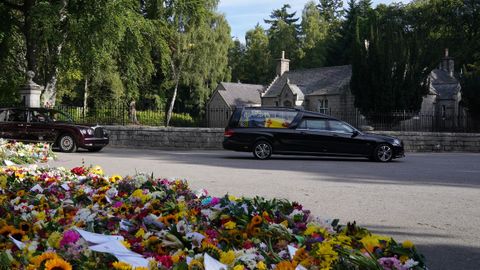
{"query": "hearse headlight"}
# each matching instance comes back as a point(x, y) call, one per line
point(397, 142)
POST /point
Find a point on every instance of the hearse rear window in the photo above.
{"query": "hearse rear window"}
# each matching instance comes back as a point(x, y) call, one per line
point(266, 118)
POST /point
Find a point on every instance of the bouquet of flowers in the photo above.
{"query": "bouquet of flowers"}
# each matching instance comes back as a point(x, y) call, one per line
point(20, 153)
point(81, 219)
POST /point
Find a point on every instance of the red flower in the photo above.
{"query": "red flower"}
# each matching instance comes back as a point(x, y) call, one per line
point(79, 171)
point(165, 260)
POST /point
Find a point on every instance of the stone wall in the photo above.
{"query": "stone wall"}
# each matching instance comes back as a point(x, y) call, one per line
point(211, 138)
point(165, 138)
point(437, 141)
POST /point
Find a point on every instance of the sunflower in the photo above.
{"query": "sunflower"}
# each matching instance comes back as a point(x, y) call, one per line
point(256, 220)
point(57, 264)
point(121, 266)
point(195, 265)
point(6, 230)
point(38, 260)
point(24, 226)
point(17, 234)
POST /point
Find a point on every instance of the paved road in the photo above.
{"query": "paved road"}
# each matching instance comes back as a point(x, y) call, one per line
point(432, 199)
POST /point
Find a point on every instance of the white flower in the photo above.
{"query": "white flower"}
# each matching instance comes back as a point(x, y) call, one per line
point(112, 193)
point(410, 263)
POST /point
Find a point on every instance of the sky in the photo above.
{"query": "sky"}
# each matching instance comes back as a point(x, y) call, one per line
point(243, 15)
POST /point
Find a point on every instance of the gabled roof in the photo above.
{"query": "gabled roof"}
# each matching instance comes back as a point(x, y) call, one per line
point(316, 81)
point(443, 84)
point(240, 94)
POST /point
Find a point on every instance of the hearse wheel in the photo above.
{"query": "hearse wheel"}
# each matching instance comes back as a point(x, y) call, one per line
point(66, 142)
point(262, 150)
point(383, 153)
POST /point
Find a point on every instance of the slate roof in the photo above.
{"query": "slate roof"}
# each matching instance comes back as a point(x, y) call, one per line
point(316, 81)
point(238, 94)
point(444, 85)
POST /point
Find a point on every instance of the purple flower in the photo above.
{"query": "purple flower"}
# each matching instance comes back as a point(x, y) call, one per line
point(391, 263)
point(69, 237)
point(117, 204)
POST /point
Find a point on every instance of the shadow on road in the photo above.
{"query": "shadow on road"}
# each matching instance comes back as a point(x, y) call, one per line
point(440, 169)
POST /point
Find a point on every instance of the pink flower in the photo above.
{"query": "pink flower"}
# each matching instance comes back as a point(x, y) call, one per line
point(69, 237)
point(117, 204)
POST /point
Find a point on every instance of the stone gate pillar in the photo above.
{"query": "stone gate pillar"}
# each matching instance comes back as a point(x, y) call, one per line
point(30, 92)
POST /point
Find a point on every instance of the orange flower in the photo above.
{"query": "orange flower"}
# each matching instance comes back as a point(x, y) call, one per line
point(38, 260)
point(57, 264)
point(256, 220)
point(285, 265)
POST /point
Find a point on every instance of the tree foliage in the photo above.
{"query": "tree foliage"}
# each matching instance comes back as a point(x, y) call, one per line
point(284, 35)
point(390, 64)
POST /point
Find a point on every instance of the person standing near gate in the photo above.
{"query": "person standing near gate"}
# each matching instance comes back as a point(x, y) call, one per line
point(133, 113)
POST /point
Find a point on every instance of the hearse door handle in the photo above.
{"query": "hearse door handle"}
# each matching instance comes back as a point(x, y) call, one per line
point(28, 125)
point(303, 133)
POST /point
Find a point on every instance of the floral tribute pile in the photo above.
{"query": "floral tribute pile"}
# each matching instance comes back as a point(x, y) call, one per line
point(20, 153)
point(60, 219)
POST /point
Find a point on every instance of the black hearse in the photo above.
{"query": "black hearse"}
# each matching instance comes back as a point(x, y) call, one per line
point(266, 131)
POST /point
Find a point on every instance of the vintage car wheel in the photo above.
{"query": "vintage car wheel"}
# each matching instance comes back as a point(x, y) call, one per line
point(66, 143)
point(262, 150)
point(383, 152)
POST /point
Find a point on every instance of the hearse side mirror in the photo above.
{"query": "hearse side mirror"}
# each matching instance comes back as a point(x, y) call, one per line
point(355, 133)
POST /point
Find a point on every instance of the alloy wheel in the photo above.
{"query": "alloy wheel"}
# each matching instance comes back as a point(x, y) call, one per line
point(262, 150)
point(384, 153)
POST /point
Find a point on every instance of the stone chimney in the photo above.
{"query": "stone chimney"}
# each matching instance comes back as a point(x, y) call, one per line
point(283, 65)
point(447, 64)
point(30, 92)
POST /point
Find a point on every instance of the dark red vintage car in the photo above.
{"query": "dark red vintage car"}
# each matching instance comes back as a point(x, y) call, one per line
point(52, 126)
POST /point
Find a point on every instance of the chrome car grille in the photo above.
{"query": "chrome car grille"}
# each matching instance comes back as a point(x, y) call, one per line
point(98, 132)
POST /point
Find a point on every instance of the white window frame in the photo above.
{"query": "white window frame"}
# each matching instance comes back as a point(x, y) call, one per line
point(322, 106)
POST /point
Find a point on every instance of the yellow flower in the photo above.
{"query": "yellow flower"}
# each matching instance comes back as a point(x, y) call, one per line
point(328, 255)
point(115, 178)
point(3, 181)
point(313, 228)
point(57, 264)
point(370, 242)
point(121, 266)
point(97, 170)
point(195, 264)
point(230, 225)
point(239, 267)
point(38, 260)
point(140, 233)
point(139, 195)
point(125, 243)
point(403, 258)
point(41, 215)
point(232, 198)
point(227, 257)
point(261, 266)
point(407, 244)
